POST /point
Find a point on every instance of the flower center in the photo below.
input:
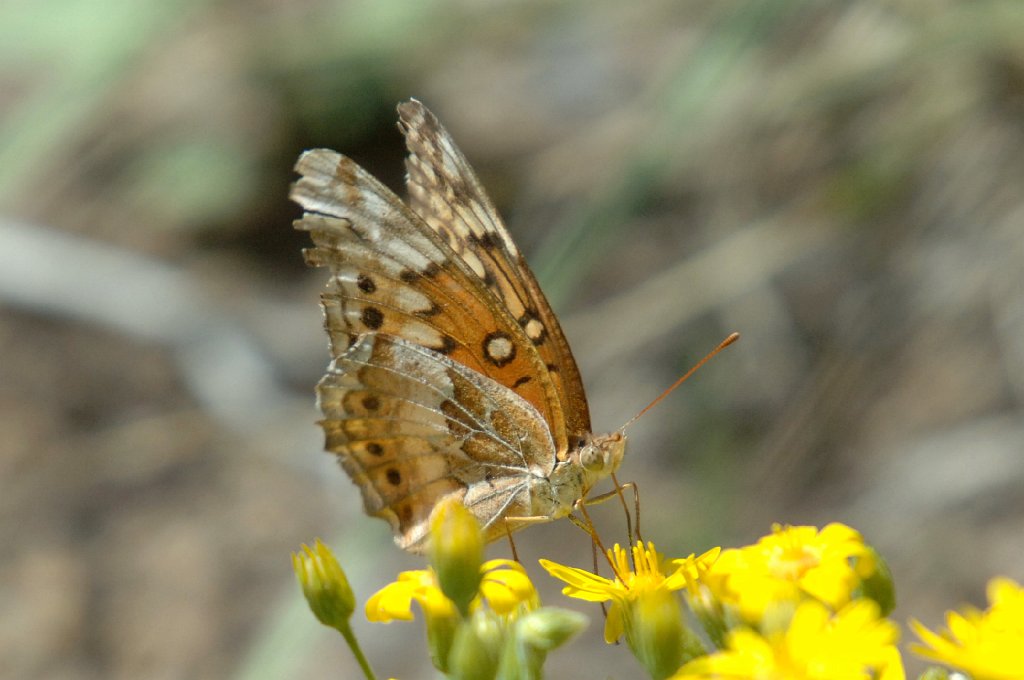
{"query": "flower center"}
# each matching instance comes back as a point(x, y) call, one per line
point(792, 562)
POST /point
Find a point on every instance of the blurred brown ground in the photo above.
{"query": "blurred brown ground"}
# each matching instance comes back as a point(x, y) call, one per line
point(839, 181)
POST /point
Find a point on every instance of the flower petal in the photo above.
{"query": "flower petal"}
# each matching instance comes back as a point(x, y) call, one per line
point(390, 603)
point(581, 581)
point(506, 586)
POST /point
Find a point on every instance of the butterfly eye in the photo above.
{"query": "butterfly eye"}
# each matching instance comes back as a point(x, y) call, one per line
point(592, 459)
point(603, 454)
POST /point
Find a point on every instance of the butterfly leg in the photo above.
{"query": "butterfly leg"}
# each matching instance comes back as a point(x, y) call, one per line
point(587, 525)
point(619, 488)
point(595, 545)
point(516, 523)
point(511, 542)
point(636, 507)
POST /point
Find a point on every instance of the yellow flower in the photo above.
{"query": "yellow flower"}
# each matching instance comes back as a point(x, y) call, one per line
point(853, 644)
point(504, 585)
point(394, 601)
point(695, 569)
point(791, 562)
point(649, 574)
point(987, 645)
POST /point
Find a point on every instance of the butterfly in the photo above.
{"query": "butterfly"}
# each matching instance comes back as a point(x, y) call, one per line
point(450, 375)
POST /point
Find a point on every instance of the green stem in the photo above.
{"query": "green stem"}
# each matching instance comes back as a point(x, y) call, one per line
point(353, 644)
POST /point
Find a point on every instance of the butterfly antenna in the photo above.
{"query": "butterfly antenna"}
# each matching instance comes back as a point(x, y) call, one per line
point(722, 345)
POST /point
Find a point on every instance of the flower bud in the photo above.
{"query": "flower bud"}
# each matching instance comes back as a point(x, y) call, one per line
point(440, 635)
point(476, 648)
point(876, 580)
point(324, 584)
point(655, 632)
point(534, 634)
point(456, 552)
point(549, 627)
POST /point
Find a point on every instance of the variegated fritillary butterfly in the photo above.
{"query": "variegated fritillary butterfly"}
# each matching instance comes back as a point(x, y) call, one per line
point(450, 373)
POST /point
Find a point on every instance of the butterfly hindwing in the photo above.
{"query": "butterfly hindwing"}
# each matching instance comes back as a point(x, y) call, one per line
point(412, 427)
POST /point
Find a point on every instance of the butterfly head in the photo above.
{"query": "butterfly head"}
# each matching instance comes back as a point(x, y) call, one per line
point(601, 455)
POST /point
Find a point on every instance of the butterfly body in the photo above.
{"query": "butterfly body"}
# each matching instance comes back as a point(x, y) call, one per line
point(451, 375)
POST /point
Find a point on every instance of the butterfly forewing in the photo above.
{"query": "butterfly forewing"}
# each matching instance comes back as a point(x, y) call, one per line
point(445, 191)
point(392, 275)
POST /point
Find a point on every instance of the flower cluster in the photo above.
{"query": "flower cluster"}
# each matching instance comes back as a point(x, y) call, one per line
point(791, 606)
point(799, 604)
point(483, 619)
point(505, 598)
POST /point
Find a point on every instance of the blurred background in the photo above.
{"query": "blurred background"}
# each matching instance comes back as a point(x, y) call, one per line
point(841, 182)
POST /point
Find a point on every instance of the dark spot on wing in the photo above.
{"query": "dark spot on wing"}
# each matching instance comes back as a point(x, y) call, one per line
point(487, 240)
point(462, 195)
point(345, 173)
point(448, 345)
point(412, 276)
point(372, 317)
point(433, 310)
point(366, 284)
